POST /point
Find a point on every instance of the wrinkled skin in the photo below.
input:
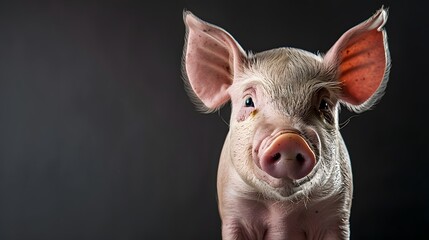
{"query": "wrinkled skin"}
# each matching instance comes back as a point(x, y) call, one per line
point(284, 170)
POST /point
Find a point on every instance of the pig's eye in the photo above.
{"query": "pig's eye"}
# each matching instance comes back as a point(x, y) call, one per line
point(324, 105)
point(325, 111)
point(249, 102)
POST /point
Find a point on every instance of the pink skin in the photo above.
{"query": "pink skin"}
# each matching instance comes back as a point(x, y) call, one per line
point(284, 171)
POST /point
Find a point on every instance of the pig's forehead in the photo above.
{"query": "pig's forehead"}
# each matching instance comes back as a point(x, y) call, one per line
point(286, 68)
point(284, 65)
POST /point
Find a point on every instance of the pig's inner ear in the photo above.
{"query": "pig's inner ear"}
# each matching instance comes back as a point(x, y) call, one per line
point(211, 58)
point(362, 60)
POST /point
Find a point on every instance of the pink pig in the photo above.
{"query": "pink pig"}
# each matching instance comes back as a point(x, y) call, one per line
point(284, 171)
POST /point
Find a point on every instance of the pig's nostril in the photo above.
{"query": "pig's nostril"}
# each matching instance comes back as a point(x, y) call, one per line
point(276, 157)
point(300, 158)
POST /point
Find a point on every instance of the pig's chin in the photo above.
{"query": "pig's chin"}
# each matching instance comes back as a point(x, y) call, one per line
point(283, 188)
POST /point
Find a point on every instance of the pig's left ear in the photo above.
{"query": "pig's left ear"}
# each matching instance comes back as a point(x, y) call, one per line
point(211, 58)
point(361, 59)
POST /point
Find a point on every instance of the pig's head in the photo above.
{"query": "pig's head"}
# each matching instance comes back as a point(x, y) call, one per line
point(284, 136)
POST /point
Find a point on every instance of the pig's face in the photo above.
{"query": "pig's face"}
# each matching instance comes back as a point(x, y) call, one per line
point(284, 91)
point(284, 139)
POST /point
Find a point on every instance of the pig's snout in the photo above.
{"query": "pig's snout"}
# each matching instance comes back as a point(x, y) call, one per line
point(288, 156)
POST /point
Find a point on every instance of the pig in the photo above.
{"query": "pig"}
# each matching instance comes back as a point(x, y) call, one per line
point(284, 170)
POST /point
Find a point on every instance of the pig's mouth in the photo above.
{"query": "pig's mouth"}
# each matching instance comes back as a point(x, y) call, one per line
point(285, 157)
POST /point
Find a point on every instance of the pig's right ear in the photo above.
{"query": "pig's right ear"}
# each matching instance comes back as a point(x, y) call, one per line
point(211, 58)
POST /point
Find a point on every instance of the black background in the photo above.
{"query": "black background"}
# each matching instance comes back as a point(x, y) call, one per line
point(98, 139)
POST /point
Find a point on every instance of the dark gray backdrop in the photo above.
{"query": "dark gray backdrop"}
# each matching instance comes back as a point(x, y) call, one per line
point(98, 139)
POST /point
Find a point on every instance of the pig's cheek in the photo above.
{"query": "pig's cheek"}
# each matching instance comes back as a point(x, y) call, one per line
point(245, 112)
point(241, 136)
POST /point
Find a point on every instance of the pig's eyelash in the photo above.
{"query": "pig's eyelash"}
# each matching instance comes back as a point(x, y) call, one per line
point(249, 91)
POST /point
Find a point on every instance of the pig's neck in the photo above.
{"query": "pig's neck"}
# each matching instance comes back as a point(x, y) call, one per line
point(245, 213)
